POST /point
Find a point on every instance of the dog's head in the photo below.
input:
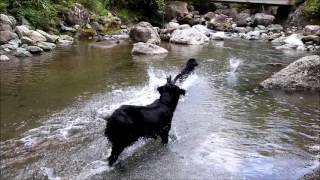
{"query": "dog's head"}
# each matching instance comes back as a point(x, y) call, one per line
point(171, 88)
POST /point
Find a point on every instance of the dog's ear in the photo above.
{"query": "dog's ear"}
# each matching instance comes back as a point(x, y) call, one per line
point(160, 89)
point(169, 81)
point(183, 92)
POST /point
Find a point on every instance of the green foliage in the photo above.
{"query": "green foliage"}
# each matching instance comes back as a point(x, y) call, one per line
point(312, 8)
point(97, 6)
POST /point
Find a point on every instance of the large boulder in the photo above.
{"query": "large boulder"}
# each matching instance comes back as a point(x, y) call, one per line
point(50, 37)
point(6, 36)
point(312, 30)
point(176, 9)
point(5, 27)
point(141, 48)
point(22, 30)
point(203, 29)
point(230, 12)
point(294, 39)
point(303, 74)
point(77, 15)
point(243, 19)
point(5, 19)
point(220, 22)
point(190, 36)
point(263, 19)
point(297, 17)
point(28, 41)
point(36, 36)
point(144, 32)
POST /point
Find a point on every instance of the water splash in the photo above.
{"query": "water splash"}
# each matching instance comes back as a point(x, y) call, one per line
point(234, 64)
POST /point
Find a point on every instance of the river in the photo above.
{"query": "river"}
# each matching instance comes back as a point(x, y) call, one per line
point(225, 127)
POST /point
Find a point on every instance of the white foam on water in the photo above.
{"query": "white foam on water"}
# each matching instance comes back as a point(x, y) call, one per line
point(94, 168)
point(234, 64)
point(50, 173)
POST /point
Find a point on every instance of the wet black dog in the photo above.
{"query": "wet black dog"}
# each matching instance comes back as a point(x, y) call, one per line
point(191, 64)
point(128, 123)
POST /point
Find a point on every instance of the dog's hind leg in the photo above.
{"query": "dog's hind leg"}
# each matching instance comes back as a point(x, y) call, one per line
point(116, 150)
point(164, 134)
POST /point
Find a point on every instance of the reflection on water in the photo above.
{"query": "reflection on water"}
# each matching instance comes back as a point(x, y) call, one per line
point(224, 128)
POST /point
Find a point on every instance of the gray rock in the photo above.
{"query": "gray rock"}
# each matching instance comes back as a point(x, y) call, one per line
point(46, 46)
point(312, 30)
point(68, 29)
point(5, 27)
point(22, 30)
point(147, 49)
point(263, 19)
point(312, 38)
point(36, 36)
point(279, 40)
point(303, 74)
point(172, 25)
point(144, 32)
point(253, 35)
point(203, 29)
point(220, 22)
point(176, 9)
point(4, 58)
point(5, 19)
point(50, 37)
point(189, 36)
point(11, 45)
point(65, 40)
point(34, 49)
point(21, 52)
point(218, 36)
point(243, 19)
point(28, 41)
point(24, 21)
point(241, 29)
point(275, 28)
point(6, 36)
point(77, 15)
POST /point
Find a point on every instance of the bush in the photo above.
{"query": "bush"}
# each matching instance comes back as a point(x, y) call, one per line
point(312, 8)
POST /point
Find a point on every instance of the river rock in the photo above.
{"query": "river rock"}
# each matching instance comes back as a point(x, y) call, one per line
point(275, 28)
point(22, 52)
point(77, 15)
point(220, 22)
point(5, 27)
point(34, 49)
point(294, 39)
point(172, 26)
point(12, 44)
point(252, 35)
point(4, 58)
point(263, 19)
point(46, 46)
point(300, 75)
point(312, 30)
point(218, 36)
point(243, 19)
point(6, 19)
point(176, 9)
point(50, 37)
point(230, 12)
point(36, 36)
point(22, 30)
point(141, 48)
point(189, 36)
point(311, 38)
point(28, 41)
point(203, 29)
point(6, 36)
point(144, 32)
point(65, 40)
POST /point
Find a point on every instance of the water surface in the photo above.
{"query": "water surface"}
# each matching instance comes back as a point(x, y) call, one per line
point(225, 126)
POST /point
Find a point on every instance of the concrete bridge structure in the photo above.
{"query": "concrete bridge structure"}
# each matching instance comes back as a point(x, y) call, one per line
point(271, 2)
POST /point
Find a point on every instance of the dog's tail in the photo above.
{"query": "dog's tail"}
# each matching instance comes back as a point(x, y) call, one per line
point(191, 64)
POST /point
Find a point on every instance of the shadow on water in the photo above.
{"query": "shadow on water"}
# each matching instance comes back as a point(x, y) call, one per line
point(224, 128)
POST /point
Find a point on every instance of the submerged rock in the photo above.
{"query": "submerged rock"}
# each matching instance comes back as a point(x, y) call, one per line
point(147, 49)
point(190, 36)
point(303, 74)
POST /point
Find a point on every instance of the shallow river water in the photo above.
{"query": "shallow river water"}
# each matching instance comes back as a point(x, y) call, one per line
point(224, 128)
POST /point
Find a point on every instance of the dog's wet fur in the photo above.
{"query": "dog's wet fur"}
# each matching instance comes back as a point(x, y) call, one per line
point(128, 123)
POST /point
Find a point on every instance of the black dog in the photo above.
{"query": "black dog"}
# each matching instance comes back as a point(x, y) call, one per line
point(128, 123)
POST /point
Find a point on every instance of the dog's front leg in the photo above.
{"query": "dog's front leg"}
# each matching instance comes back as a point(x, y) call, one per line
point(164, 134)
